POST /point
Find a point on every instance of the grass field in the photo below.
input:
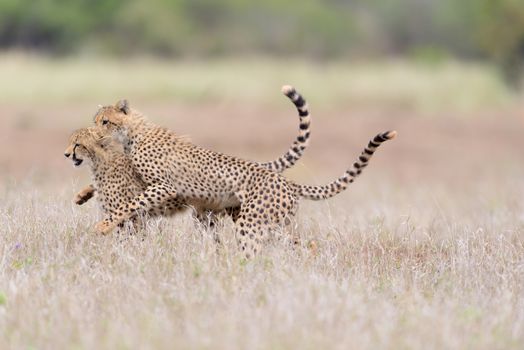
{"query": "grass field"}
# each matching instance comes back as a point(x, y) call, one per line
point(396, 84)
point(395, 269)
point(425, 250)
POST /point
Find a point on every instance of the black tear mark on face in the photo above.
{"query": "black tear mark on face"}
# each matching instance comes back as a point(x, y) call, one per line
point(76, 161)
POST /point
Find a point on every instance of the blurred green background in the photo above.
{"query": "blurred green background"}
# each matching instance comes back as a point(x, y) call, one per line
point(432, 69)
point(428, 30)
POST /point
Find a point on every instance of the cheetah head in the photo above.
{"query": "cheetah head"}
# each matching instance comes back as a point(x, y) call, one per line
point(84, 143)
point(112, 118)
point(116, 120)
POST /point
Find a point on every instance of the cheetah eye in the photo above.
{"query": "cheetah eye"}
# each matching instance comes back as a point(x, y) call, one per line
point(104, 122)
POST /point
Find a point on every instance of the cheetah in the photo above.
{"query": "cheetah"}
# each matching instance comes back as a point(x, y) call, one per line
point(113, 175)
point(175, 168)
point(203, 215)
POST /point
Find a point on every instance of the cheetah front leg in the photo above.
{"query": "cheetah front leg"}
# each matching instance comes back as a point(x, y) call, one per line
point(153, 197)
point(84, 195)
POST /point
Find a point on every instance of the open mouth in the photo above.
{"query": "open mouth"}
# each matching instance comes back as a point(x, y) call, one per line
point(77, 162)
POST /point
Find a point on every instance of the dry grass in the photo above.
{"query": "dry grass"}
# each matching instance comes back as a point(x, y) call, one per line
point(405, 268)
point(426, 250)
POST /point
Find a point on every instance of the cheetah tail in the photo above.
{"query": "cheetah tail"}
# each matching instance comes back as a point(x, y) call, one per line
point(340, 184)
point(299, 145)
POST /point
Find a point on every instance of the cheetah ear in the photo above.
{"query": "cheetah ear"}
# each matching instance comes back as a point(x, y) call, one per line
point(123, 106)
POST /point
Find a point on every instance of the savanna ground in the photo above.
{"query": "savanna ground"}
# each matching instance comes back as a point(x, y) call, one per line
point(425, 250)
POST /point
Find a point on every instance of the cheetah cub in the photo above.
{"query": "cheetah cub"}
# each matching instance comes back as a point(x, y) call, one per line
point(113, 174)
point(207, 216)
point(176, 168)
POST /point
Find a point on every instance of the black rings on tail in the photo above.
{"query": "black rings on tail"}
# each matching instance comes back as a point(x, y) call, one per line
point(340, 184)
point(299, 145)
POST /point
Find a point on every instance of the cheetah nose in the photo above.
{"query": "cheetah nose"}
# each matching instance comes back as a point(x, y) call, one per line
point(67, 155)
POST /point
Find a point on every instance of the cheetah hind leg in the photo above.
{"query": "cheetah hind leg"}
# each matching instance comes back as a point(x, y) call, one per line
point(249, 238)
point(251, 230)
point(258, 222)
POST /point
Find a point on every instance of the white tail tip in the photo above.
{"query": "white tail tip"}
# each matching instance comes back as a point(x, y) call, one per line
point(391, 135)
point(287, 89)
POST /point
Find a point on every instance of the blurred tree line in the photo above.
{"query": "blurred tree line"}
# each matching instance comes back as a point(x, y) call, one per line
point(483, 29)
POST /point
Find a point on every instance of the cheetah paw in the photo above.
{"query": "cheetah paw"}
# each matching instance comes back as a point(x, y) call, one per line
point(104, 227)
point(83, 196)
